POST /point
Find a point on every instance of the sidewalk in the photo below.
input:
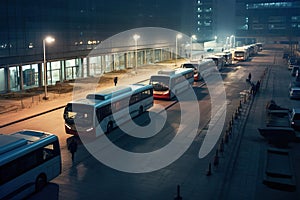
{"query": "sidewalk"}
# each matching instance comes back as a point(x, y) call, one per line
point(247, 175)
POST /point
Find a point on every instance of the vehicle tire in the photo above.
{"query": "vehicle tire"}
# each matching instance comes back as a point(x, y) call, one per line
point(109, 127)
point(40, 182)
point(141, 110)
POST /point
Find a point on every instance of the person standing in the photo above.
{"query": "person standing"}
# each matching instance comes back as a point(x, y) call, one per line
point(116, 80)
point(72, 148)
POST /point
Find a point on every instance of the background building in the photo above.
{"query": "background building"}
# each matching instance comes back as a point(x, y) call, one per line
point(268, 21)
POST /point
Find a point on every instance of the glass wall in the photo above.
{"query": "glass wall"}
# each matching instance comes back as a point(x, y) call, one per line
point(55, 72)
point(95, 66)
point(2, 80)
point(14, 78)
point(72, 70)
point(30, 76)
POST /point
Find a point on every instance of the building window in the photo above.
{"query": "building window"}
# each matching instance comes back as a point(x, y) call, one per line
point(273, 5)
point(295, 18)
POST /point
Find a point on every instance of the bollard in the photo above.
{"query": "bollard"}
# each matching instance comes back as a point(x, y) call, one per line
point(221, 146)
point(208, 173)
point(216, 159)
point(178, 197)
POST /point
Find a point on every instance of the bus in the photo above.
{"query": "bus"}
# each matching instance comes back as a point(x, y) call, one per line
point(100, 112)
point(240, 54)
point(28, 160)
point(227, 56)
point(194, 66)
point(168, 83)
point(219, 60)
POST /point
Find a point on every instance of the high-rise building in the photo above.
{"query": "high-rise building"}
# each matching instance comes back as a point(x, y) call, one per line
point(205, 23)
point(269, 21)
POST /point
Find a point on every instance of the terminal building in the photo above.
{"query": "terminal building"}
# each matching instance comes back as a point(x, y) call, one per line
point(78, 28)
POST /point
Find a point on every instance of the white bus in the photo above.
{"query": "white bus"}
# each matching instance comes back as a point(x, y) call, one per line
point(28, 160)
point(101, 112)
point(168, 83)
point(240, 54)
point(219, 60)
point(227, 55)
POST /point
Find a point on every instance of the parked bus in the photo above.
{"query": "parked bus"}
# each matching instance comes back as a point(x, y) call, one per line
point(227, 57)
point(240, 54)
point(219, 60)
point(101, 112)
point(28, 160)
point(167, 84)
point(194, 66)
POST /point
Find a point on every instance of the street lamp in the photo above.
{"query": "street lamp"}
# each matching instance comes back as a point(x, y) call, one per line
point(193, 37)
point(48, 40)
point(136, 37)
point(178, 36)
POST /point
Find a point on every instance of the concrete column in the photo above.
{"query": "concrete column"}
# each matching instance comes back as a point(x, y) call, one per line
point(40, 74)
point(81, 67)
point(88, 66)
point(125, 60)
point(21, 79)
point(63, 63)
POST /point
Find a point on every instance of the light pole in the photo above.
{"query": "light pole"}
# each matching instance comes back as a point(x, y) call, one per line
point(178, 36)
point(136, 37)
point(48, 40)
point(193, 37)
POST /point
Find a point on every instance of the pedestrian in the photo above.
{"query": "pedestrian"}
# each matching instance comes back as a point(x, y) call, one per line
point(257, 85)
point(72, 148)
point(253, 89)
point(249, 77)
point(116, 80)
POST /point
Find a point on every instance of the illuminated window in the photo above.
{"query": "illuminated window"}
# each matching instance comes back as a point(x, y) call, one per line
point(295, 18)
point(273, 5)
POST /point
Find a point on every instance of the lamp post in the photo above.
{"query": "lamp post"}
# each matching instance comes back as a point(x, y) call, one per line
point(48, 40)
point(178, 36)
point(136, 37)
point(193, 37)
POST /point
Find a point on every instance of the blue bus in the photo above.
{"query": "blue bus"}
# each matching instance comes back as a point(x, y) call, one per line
point(28, 160)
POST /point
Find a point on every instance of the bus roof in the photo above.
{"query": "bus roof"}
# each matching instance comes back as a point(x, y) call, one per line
point(175, 72)
point(105, 96)
point(13, 144)
point(109, 93)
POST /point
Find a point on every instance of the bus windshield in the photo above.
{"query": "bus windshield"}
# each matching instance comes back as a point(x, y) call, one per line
point(160, 83)
point(82, 114)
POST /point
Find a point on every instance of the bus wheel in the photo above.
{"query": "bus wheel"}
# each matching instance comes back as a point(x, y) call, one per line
point(109, 127)
point(141, 110)
point(40, 182)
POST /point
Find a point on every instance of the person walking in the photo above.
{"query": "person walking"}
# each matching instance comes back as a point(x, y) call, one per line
point(72, 148)
point(249, 77)
point(257, 85)
point(116, 80)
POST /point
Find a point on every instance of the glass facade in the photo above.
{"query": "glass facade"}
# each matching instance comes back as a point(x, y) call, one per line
point(268, 18)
